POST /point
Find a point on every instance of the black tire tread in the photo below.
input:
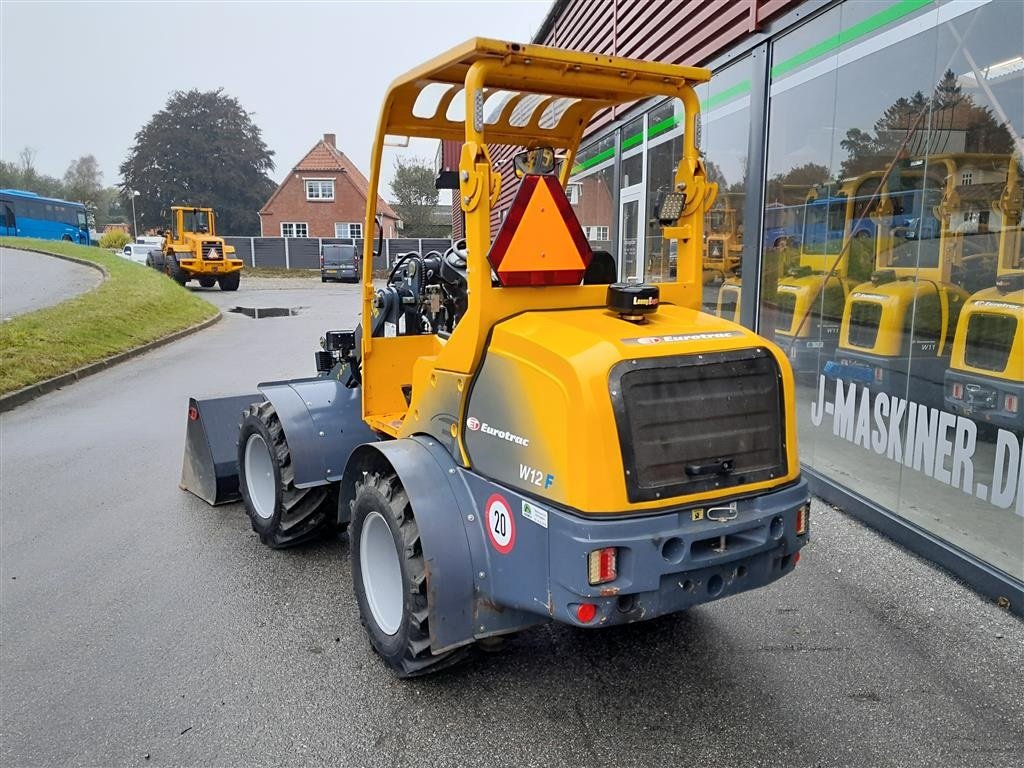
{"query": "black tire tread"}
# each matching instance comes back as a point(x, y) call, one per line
point(305, 515)
point(416, 658)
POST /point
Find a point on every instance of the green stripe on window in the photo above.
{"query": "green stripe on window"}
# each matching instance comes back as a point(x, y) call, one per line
point(728, 94)
point(895, 11)
point(892, 13)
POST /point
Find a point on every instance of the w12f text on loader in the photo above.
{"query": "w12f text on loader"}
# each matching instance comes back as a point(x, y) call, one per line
point(511, 436)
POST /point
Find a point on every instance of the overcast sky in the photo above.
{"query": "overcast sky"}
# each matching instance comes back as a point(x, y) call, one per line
point(80, 78)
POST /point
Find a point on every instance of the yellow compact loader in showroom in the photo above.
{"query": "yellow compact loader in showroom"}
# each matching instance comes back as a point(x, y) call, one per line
point(508, 438)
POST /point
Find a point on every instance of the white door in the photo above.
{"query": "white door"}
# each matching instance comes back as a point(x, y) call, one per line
point(631, 232)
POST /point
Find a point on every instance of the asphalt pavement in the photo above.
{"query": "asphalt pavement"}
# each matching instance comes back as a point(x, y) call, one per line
point(138, 626)
point(30, 281)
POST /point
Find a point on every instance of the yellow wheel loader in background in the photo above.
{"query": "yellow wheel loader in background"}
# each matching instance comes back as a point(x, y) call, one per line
point(192, 251)
point(508, 438)
point(897, 330)
point(985, 380)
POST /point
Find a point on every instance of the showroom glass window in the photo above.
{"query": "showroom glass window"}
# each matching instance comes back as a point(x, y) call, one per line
point(592, 190)
point(892, 236)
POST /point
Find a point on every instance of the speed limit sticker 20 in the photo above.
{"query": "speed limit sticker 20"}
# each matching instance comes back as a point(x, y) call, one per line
point(501, 524)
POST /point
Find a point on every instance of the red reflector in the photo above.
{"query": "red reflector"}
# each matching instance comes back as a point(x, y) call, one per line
point(958, 391)
point(879, 374)
point(1012, 403)
point(796, 558)
point(540, 242)
point(586, 612)
point(193, 413)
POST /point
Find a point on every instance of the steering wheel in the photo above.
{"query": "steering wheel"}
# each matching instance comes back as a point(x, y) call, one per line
point(460, 252)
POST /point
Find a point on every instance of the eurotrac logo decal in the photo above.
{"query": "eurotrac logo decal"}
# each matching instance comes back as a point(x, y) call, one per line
point(707, 336)
point(476, 425)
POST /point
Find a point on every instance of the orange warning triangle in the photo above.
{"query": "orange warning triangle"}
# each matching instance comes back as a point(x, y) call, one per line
point(540, 241)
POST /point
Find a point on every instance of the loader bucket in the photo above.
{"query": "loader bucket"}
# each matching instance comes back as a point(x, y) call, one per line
point(210, 467)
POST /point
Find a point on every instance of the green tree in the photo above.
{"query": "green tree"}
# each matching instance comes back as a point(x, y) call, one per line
point(415, 197)
point(907, 123)
point(23, 175)
point(201, 149)
point(82, 181)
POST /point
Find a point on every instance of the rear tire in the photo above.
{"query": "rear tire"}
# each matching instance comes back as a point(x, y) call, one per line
point(280, 513)
point(389, 577)
point(229, 282)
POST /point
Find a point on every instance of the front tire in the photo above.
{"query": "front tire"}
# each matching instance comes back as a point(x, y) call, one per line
point(280, 513)
point(229, 282)
point(389, 577)
point(174, 270)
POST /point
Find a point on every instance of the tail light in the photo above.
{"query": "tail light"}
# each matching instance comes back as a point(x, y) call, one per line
point(602, 566)
point(801, 520)
point(1011, 403)
point(958, 391)
point(879, 374)
point(321, 261)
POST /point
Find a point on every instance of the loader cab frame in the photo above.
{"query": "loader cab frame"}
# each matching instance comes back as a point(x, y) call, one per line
point(524, 96)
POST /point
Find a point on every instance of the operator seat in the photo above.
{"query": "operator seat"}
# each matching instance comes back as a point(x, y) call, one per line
point(601, 270)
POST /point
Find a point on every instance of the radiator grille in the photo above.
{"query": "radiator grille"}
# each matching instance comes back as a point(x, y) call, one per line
point(989, 340)
point(216, 248)
point(699, 422)
point(864, 319)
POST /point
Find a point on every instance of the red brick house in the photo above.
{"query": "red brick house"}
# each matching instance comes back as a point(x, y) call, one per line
point(323, 196)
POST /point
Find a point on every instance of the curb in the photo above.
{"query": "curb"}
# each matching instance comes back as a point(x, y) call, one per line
point(32, 391)
point(84, 262)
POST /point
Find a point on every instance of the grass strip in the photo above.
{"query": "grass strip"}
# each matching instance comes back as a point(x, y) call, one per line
point(280, 272)
point(133, 306)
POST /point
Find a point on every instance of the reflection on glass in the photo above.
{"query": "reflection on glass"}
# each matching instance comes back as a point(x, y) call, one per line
point(892, 270)
point(591, 192)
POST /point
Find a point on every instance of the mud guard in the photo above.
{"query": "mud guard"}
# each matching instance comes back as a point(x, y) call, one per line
point(322, 421)
point(210, 466)
point(441, 503)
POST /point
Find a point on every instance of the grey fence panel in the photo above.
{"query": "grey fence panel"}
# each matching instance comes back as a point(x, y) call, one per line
point(436, 244)
point(304, 252)
point(400, 245)
point(269, 252)
point(243, 248)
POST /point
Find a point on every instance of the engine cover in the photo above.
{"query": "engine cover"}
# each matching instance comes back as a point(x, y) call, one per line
point(601, 415)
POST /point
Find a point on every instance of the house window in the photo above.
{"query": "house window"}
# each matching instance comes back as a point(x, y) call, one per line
point(294, 229)
point(572, 191)
point(348, 230)
point(319, 189)
point(596, 233)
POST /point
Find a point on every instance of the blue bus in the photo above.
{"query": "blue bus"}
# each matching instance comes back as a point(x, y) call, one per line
point(26, 214)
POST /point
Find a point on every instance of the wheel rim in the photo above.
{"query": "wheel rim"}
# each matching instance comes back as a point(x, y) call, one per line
point(259, 476)
point(381, 572)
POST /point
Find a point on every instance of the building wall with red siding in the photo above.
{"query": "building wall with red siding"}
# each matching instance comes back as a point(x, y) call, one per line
point(688, 32)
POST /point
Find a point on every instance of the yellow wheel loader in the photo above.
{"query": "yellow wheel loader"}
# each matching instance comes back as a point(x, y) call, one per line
point(985, 380)
point(723, 246)
point(810, 298)
point(897, 330)
point(192, 251)
point(509, 438)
